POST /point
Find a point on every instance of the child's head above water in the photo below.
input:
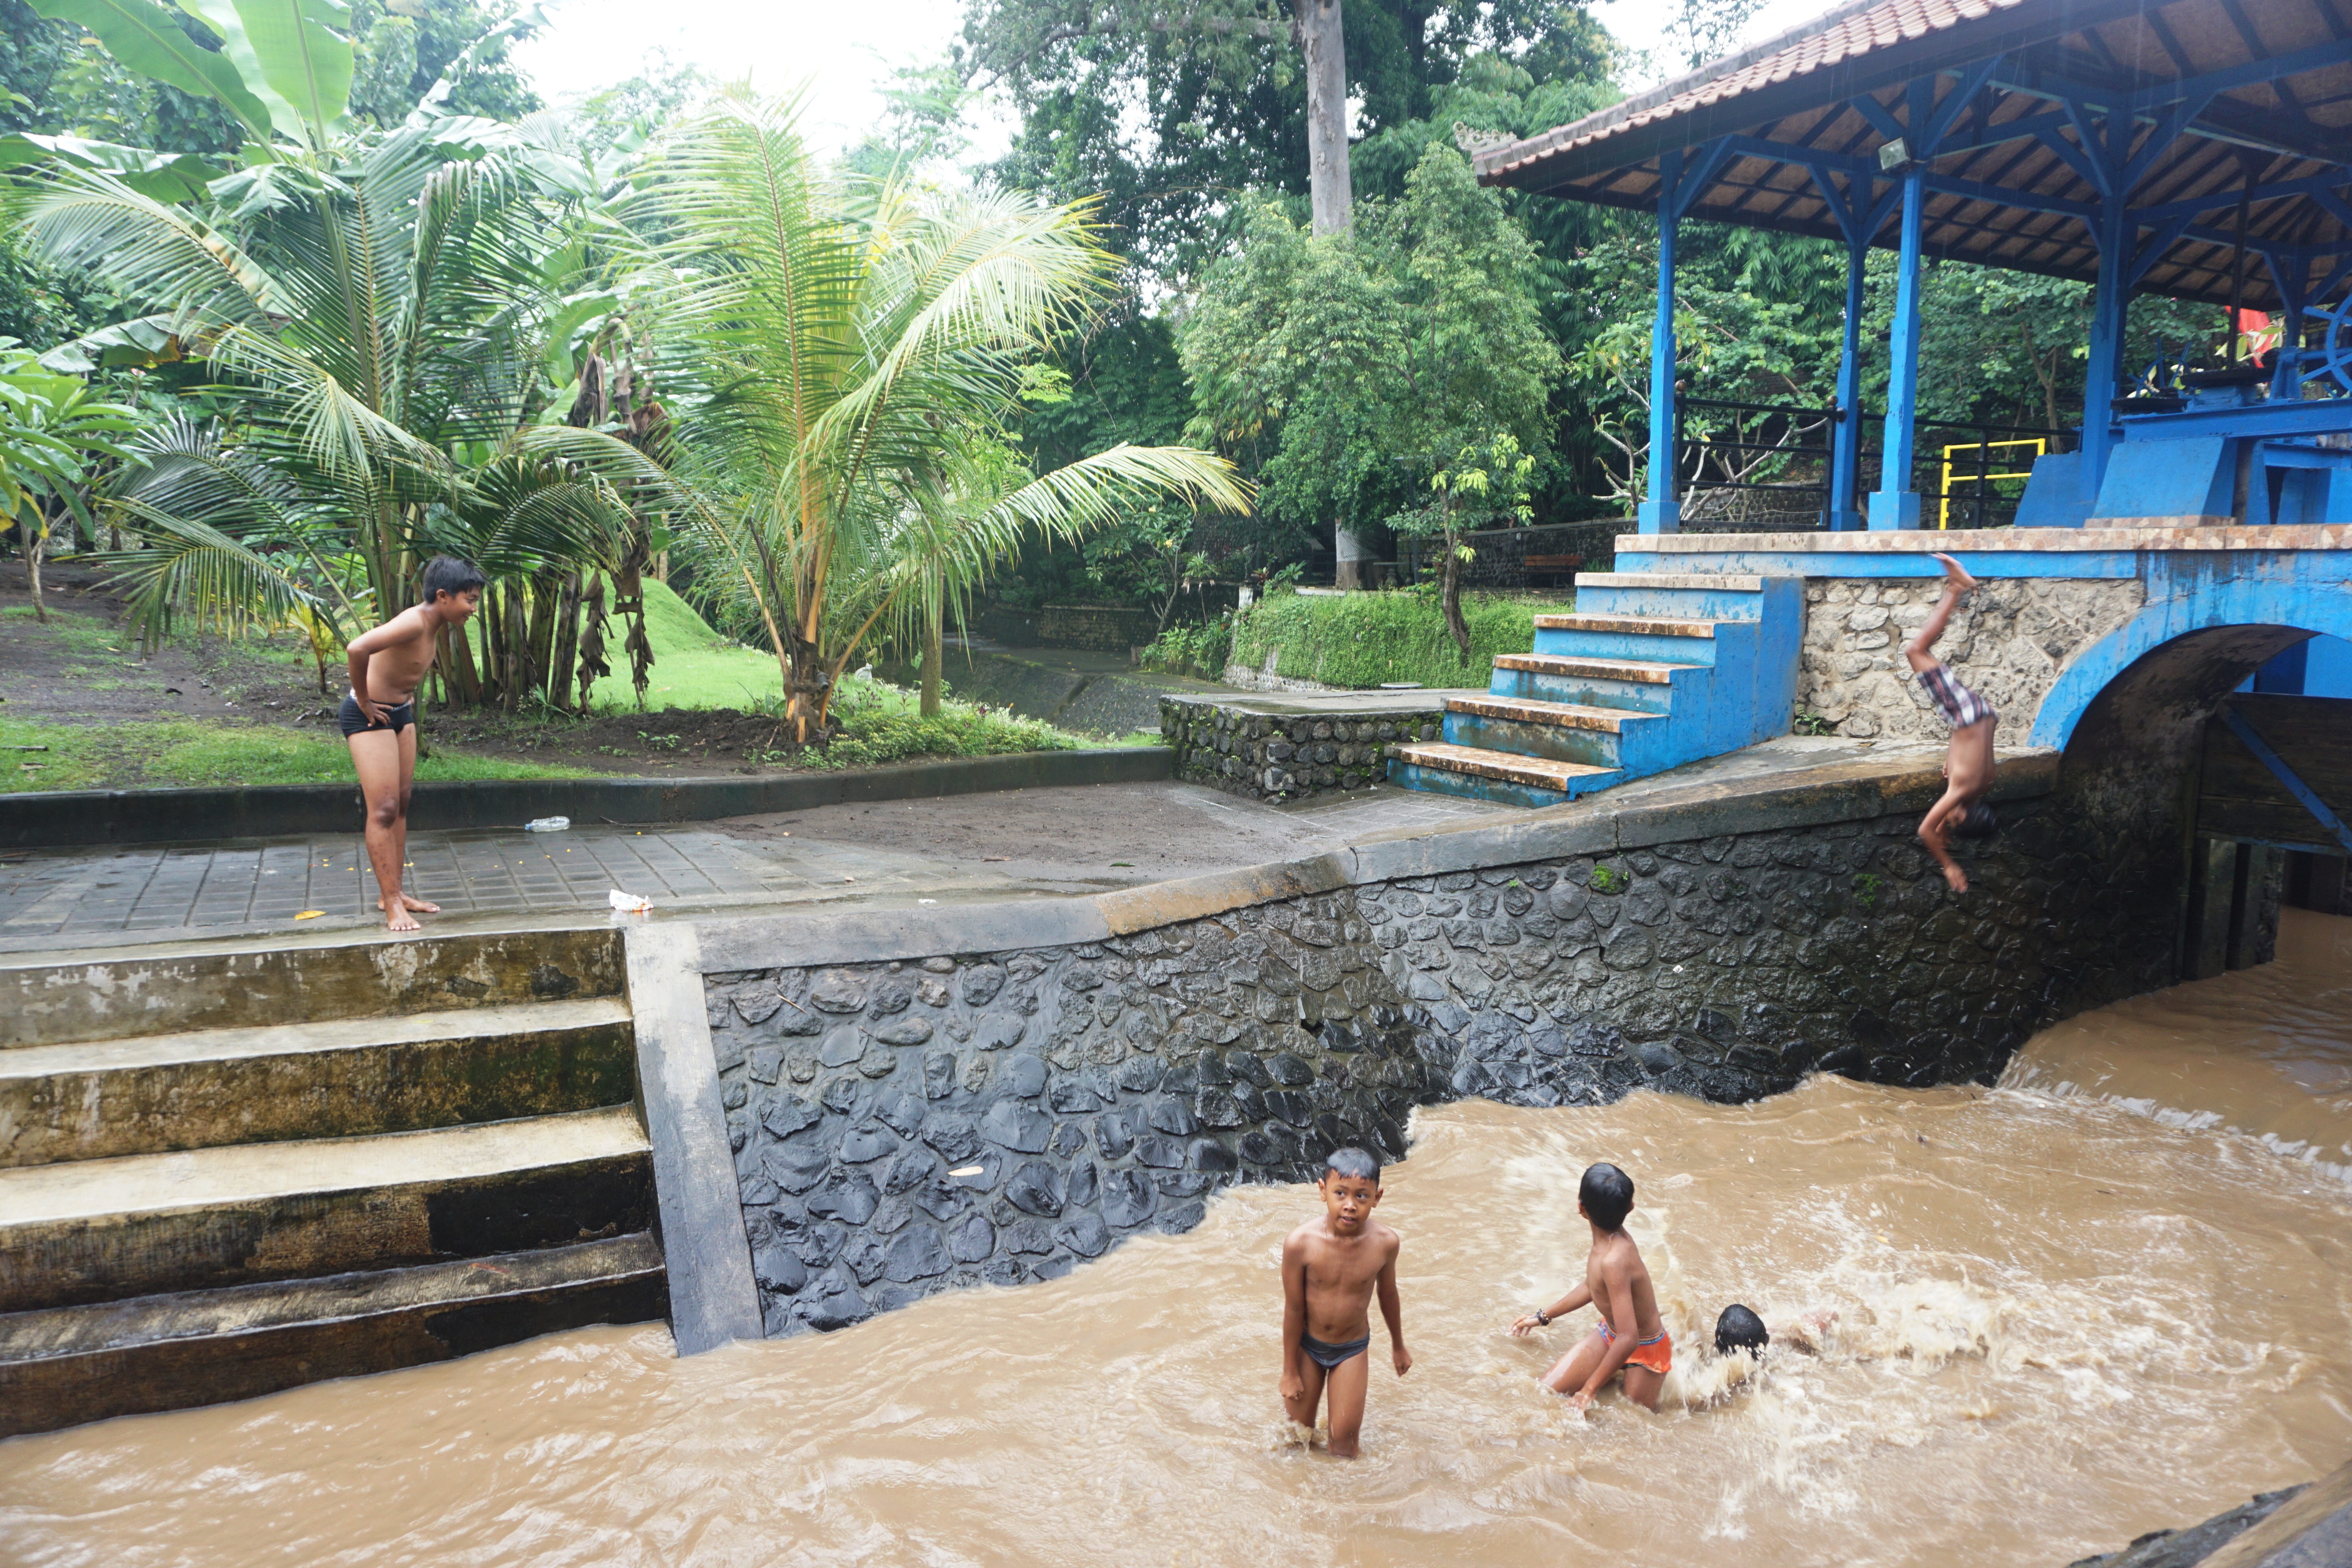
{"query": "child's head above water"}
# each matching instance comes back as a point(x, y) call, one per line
point(1351, 1188)
point(1606, 1196)
point(1740, 1330)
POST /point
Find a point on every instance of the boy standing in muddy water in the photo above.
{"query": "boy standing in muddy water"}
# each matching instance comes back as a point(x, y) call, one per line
point(1968, 765)
point(379, 719)
point(1632, 1337)
point(1330, 1268)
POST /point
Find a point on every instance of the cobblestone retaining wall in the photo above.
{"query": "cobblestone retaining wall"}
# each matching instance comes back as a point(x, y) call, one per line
point(2009, 641)
point(1287, 756)
point(1101, 628)
point(907, 1126)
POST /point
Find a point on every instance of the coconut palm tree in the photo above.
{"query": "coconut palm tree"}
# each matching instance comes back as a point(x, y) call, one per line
point(841, 354)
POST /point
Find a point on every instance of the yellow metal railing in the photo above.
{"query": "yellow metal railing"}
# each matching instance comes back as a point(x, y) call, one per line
point(2041, 445)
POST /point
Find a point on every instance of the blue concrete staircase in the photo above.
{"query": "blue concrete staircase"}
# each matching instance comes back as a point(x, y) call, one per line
point(1653, 670)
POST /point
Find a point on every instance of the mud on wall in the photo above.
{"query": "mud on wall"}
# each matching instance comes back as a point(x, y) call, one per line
point(909, 1126)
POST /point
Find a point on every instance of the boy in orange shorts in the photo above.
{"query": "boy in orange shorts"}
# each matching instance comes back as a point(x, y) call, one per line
point(1632, 1338)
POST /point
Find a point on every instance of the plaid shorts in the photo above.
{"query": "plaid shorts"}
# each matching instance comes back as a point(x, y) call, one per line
point(1959, 706)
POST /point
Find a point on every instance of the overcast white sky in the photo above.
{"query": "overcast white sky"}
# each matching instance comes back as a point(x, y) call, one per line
point(845, 48)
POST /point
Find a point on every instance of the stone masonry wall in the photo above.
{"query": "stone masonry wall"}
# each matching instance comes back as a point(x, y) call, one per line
point(1287, 756)
point(908, 1127)
point(2009, 641)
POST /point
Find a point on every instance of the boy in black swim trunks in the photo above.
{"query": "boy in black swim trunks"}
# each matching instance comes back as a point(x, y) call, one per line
point(1968, 765)
point(379, 719)
point(1330, 1268)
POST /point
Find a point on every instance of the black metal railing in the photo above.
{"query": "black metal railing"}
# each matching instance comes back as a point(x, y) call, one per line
point(1728, 454)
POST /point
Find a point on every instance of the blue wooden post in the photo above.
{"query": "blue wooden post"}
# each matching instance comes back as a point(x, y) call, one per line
point(2116, 231)
point(1846, 441)
point(1662, 513)
point(1895, 504)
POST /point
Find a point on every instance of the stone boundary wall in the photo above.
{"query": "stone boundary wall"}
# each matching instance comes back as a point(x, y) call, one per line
point(2011, 641)
point(919, 1100)
point(1288, 756)
point(1101, 628)
point(1501, 555)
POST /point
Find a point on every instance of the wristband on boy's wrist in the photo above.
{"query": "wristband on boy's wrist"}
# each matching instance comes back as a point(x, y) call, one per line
point(1543, 1317)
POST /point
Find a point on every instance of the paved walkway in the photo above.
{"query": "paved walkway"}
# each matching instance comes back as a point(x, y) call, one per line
point(75, 898)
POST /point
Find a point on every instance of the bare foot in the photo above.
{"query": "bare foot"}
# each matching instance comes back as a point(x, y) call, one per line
point(409, 901)
point(1956, 576)
point(1957, 878)
point(399, 919)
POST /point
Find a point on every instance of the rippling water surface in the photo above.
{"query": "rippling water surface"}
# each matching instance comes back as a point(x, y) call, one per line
point(2106, 1297)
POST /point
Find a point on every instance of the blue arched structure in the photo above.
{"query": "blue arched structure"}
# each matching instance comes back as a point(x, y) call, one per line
point(2210, 621)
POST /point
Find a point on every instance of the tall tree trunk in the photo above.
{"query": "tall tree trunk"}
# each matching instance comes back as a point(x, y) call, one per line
point(1317, 25)
point(1455, 626)
point(1321, 37)
point(36, 542)
point(566, 652)
point(934, 652)
point(516, 638)
point(539, 644)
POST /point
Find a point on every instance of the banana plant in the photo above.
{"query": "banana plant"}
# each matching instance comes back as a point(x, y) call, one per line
point(53, 431)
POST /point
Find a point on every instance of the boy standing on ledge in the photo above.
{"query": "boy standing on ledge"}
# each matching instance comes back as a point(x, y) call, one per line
point(379, 719)
point(1968, 763)
point(1330, 1268)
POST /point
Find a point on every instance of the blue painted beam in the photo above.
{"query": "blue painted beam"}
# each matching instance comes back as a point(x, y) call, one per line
point(1662, 513)
point(2215, 200)
point(2317, 416)
point(1895, 504)
point(2286, 775)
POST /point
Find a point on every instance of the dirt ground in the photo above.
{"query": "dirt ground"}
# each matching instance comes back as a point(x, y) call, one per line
point(44, 676)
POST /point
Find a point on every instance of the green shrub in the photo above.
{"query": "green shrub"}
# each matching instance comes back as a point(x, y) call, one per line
point(1203, 650)
point(1369, 640)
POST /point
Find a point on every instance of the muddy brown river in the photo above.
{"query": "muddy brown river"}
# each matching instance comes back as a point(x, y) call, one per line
point(2106, 1297)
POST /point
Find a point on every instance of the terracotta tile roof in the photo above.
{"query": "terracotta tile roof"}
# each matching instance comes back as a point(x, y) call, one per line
point(1830, 40)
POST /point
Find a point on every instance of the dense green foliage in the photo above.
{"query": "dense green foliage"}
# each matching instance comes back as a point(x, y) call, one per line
point(1368, 639)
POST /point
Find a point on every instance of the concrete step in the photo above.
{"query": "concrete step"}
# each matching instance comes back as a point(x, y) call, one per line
point(1663, 639)
point(100, 1230)
point(63, 1365)
point(1694, 595)
point(1557, 731)
point(1637, 685)
point(1498, 776)
point(102, 1099)
point(113, 997)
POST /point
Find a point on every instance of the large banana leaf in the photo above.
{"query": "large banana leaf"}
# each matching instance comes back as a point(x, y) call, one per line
point(160, 176)
point(292, 55)
point(149, 39)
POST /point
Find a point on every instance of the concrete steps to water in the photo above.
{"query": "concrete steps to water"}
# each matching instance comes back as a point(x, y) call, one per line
point(306, 1163)
point(1652, 670)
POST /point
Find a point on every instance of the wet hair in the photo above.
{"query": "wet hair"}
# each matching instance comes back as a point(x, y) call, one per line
point(1607, 1195)
point(1739, 1329)
point(447, 575)
point(1976, 822)
point(1353, 1163)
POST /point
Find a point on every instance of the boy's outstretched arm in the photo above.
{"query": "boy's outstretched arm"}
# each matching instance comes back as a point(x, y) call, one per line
point(1392, 1313)
point(1294, 1317)
point(1580, 1297)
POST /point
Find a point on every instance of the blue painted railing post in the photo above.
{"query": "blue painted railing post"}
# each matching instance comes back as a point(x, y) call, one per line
point(1846, 441)
point(1895, 504)
point(2100, 373)
point(1662, 513)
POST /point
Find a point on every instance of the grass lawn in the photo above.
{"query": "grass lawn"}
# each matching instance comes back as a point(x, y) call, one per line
point(168, 751)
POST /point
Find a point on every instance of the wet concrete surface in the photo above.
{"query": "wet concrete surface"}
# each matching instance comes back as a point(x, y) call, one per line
point(1075, 841)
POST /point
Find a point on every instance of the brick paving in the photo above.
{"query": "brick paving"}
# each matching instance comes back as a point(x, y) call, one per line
point(241, 884)
point(50, 898)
